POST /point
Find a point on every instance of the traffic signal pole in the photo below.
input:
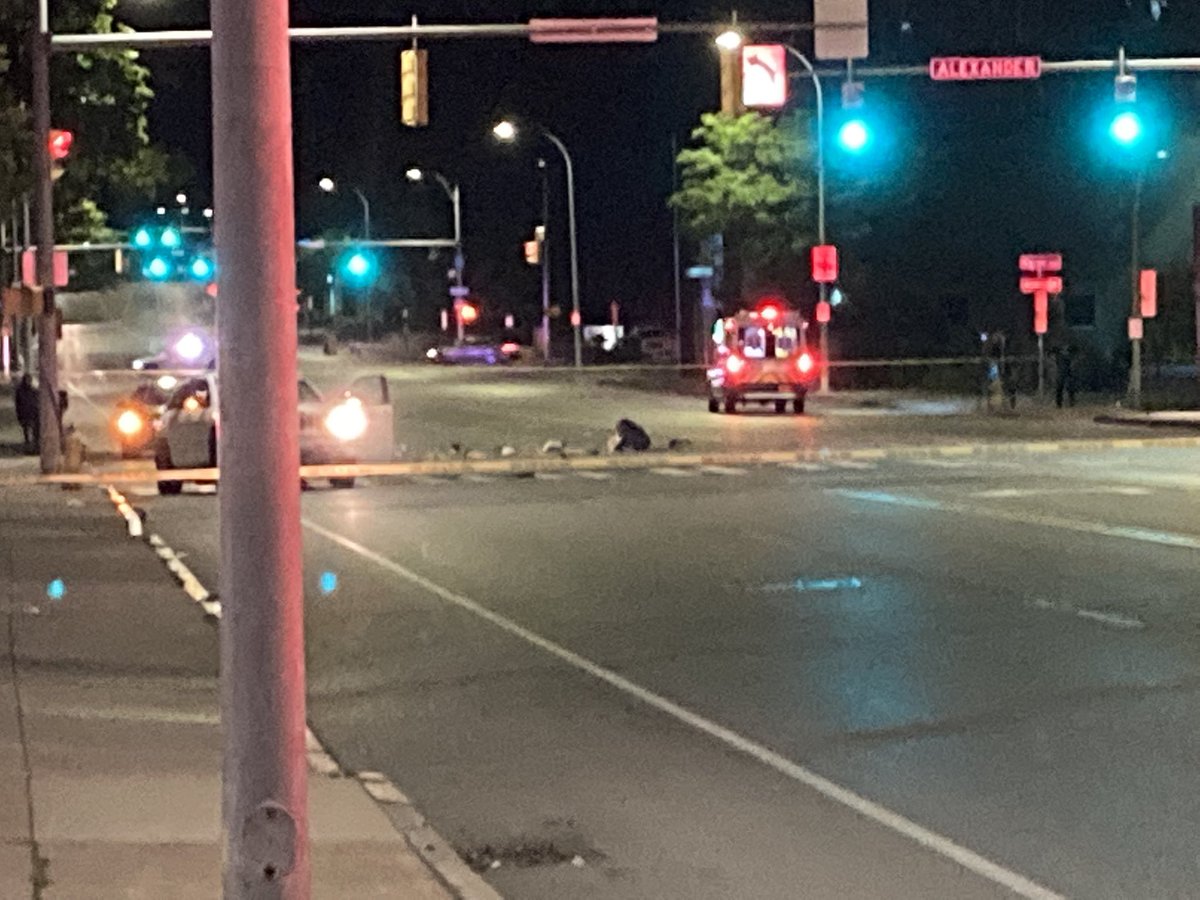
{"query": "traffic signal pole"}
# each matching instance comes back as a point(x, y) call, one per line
point(49, 412)
point(264, 800)
point(1135, 311)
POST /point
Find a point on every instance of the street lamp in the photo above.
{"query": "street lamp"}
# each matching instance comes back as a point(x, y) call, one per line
point(416, 175)
point(329, 186)
point(506, 130)
point(729, 40)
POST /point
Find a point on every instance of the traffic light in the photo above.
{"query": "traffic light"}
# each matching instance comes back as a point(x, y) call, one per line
point(414, 87)
point(854, 135)
point(532, 252)
point(60, 144)
point(469, 313)
point(157, 268)
point(170, 238)
point(143, 238)
point(201, 268)
point(359, 267)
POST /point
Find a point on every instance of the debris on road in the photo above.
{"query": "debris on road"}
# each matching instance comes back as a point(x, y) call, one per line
point(552, 447)
point(629, 437)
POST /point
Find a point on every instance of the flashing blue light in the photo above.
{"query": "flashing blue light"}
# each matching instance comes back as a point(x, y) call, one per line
point(854, 135)
point(170, 238)
point(1126, 128)
point(56, 589)
point(201, 269)
point(328, 582)
point(158, 269)
point(142, 237)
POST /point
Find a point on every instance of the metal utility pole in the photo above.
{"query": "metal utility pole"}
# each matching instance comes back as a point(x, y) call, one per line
point(544, 258)
point(576, 320)
point(49, 413)
point(1135, 311)
point(675, 252)
point(264, 801)
point(822, 286)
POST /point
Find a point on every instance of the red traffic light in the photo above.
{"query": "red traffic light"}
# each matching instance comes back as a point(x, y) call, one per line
point(468, 313)
point(824, 312)
point(60, 143)
point(824, 264)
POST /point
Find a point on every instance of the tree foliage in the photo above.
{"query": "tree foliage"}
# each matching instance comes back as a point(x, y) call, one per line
point(748, 178)
point(102, 97)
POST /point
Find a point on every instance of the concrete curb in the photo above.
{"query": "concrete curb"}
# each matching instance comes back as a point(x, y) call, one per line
point(1147, 420)
point(634, 461)
point(434, 850)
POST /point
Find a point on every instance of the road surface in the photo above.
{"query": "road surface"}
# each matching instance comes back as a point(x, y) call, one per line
point(923, 678)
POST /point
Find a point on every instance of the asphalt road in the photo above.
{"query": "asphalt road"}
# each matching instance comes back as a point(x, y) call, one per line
point(941, 678)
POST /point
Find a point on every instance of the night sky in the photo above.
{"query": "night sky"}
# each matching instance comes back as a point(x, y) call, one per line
point(986, 170)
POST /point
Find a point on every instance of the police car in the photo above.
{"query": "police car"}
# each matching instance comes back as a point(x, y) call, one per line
point(354, 426)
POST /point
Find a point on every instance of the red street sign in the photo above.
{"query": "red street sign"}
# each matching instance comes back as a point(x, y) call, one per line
point(764, 75)
point(1041, 313)
point(824, 264)
point(984, 68)
point(1040, 262)
point(1051, 284)
point(824, 312)
point(593, 31)
point(1148, 291)
point(62, 273)
point(1135, 328)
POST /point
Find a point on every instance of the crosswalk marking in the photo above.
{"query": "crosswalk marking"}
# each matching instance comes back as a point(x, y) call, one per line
point(805, 466)
point(549, 476)
point(675, 473)
point(722, 470)
point(594, 476)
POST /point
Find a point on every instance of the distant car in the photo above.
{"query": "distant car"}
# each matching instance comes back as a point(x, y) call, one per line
point(476, 351)
point(356, 425)
point(656, 344)
point(136, 420)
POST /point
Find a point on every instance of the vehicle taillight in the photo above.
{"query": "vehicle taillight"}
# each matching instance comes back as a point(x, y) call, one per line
point(508, 348)
point(734, 364)
point(804, 363)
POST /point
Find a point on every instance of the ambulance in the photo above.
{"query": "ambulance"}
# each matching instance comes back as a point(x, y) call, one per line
point(760, 355)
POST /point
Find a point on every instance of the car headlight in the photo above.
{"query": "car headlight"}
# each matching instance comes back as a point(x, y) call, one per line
point(347, 421)
point(431, 353)
point(129, 423)
point(190, 346)
point(167, 382)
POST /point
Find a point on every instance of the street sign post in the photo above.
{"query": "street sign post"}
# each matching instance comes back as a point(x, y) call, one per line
point(1040, 262)
point(1041, 286)
point(984, 68)
point(1148, 293)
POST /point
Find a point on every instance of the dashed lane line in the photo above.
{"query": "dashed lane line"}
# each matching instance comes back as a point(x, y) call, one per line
point(881, 815)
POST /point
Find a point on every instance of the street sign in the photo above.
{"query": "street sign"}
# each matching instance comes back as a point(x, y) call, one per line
point(459, 290)
point(1135, 328)
point(1041, 312)
point(764, 76)
point(1040, 262)
point(643, 30)
point(840, 29)
point(1051, 284)
point(29, 267)
point(824, 263)
point(984, 68)
point(1148, 291)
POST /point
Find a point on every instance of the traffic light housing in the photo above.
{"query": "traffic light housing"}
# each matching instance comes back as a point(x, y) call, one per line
point(533, 254)
point(414, 87)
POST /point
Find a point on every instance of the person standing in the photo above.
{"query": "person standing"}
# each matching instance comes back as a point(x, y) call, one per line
point(26, 400)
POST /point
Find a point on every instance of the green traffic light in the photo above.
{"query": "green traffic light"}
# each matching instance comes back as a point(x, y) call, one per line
point(1126, 128)
point(157, 269)
point(854, 136)
point(142, 237)
point(201, 269)
point(359, 267)
point(170, 238)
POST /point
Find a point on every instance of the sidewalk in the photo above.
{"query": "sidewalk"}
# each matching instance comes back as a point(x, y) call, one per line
point(110, 747)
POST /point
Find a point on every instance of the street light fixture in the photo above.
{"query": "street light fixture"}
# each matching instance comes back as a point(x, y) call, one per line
point(329, 186)
point(730, 40)
point(416, 175)
point(506, 130)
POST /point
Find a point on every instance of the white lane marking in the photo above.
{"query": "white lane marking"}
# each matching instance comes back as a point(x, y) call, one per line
point(131, 714)
point(141, 490)
point(1116, 620)
point(805, 585)
point(549, 476)
point(475, 478)
point(675, 473)
point(805, 466)
point(852, 464)
point(883, 816)
point(133, 521)
point(1128, 532)
point(594, 476)
point(1014, 493)
point(941, 463)
point(722, 470)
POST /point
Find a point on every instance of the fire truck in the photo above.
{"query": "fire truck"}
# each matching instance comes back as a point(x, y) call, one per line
point(760, 355)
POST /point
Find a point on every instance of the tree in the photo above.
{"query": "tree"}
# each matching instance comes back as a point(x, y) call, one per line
point(746, 179)
point(101, 96)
